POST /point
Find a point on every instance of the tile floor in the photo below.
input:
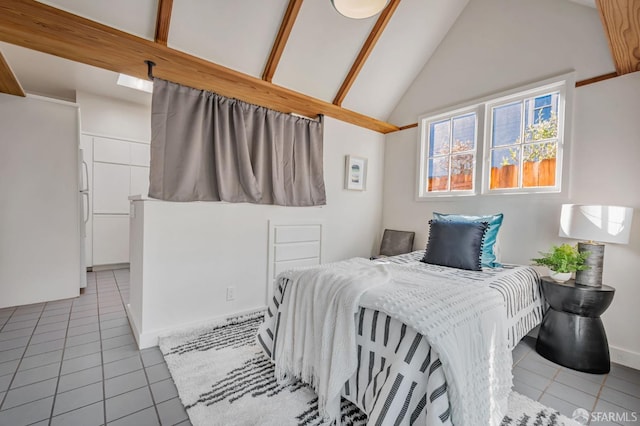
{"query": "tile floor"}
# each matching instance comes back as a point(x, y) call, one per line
point(75, 362)
point(613, 399)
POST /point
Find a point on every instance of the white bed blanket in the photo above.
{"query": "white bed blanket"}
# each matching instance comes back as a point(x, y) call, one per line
point(464, 320)
point(316, 336)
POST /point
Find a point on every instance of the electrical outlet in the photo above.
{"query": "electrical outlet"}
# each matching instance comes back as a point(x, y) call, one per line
point(231, 293)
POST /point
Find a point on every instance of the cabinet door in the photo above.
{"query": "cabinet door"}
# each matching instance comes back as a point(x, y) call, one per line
point(139, 181)
point(110, 188)
point(110, 239)
point(140, 154)
point(111, 151)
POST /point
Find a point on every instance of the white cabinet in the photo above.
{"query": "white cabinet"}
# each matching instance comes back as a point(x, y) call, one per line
point(139, 183)
point(111, 188)
point(118, 168)
point(110, 239)
point(140, 154)
point(111, 151)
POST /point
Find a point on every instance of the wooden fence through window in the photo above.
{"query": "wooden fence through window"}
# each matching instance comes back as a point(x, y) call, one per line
point(534, 174)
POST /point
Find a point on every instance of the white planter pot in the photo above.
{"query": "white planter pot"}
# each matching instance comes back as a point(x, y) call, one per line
point(560, 277)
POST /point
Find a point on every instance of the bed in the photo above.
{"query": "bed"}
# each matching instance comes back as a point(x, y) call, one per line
point(400, 376)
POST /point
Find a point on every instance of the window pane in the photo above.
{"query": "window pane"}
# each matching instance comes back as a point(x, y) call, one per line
point(504, 168)
point(439, 135)
point(464, 133)
point(539, 151)
point(461, 172)
point(542, 101)
point(539, 164)
point(541, 117)
point(438, 174)
point(507, 120)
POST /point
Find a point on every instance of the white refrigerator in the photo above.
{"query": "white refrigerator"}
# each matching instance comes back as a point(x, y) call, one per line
point(41, 201)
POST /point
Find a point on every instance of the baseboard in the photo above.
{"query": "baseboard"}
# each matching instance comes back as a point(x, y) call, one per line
point(150, 338)
point(625, 357)
point(134, 327)
point(98, 268)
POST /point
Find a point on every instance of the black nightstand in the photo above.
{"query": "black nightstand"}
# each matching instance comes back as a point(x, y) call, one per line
point(572, 333)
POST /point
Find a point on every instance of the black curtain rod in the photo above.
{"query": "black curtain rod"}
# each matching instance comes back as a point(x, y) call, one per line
point(150, 66)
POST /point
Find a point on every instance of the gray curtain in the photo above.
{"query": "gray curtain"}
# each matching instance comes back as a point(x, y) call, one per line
point(205, 147)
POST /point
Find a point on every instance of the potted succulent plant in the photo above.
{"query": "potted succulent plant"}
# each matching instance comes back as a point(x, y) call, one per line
point(562, 261)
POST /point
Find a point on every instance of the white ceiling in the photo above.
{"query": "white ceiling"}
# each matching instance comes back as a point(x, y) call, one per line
point(239, 34)
point(411, 37)
point(235, 33)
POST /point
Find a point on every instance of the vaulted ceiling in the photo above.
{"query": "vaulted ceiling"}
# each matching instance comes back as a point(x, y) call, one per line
point(289, 55)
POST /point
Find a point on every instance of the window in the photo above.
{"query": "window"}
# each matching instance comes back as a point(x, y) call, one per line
point(519, 137)
point(450, 146)
point(524, 143)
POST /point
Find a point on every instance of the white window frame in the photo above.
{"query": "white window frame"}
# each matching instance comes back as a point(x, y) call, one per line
point(557, 86)
point(564, 83)
point(423, 152)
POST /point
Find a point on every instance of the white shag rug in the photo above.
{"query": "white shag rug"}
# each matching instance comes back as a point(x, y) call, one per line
point(224, 378)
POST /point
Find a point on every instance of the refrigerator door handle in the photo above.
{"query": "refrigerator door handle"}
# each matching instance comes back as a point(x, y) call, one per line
point(86, 203)
point(85, 180)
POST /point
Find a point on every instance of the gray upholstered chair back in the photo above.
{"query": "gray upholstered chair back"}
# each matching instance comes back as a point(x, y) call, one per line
point(396, 242)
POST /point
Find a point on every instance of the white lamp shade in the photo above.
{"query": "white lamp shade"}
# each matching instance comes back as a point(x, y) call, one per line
point(605, 224)
point(359, 9)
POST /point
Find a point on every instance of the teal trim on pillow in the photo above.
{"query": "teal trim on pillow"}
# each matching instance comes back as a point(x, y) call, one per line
point(488, 258)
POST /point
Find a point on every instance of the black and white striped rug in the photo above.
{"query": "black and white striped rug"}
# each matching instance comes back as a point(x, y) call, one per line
point(224, 378)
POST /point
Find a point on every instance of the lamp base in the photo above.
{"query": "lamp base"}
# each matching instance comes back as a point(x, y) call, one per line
point(593, 275)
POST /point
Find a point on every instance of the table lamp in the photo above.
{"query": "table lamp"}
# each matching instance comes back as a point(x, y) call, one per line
point(595, 225)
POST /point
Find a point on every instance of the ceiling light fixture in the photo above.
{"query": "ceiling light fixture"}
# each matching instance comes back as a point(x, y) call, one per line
point(359, 9)
point(135, 83)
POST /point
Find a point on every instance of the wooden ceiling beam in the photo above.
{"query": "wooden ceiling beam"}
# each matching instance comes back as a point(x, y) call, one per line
point(596, 79)
point(367, 48)
point(37, 26)
point(280, 42)
point(621, 21)
point(9, 84)
point(163, 21)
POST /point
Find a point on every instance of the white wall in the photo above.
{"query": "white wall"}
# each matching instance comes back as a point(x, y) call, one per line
point(488, 51)
point(114, 118)
point(499, 44)
point(39, 201)
point(605, 170)
point(193, 251)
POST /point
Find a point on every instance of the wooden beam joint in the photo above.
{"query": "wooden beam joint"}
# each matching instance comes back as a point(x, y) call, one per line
point(621, 22)
point(9, 83)
point(282, 37)
point(163, 21)
point(367, 48)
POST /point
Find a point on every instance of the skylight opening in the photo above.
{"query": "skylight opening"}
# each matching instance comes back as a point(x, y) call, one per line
point(135, 83)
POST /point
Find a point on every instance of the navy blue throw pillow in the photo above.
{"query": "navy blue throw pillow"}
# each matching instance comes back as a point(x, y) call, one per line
point(455, 244)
